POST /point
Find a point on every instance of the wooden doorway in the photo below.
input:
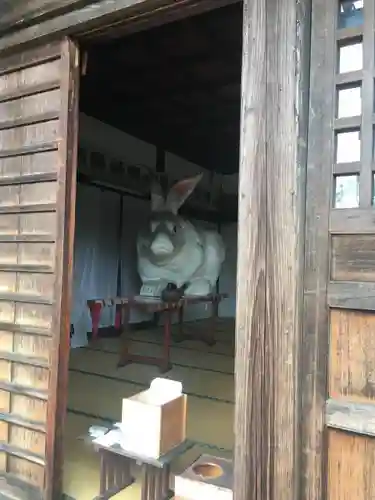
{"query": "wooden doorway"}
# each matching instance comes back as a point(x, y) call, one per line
point(38, 107)
point(265, 420)
point(339, 353)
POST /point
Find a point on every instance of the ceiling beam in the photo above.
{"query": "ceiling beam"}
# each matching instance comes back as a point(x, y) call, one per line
point(86, 22)
point(176, 10)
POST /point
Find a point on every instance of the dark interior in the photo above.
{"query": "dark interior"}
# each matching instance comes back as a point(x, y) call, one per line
point(176, 86)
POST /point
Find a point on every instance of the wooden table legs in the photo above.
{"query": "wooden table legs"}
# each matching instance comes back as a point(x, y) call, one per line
point(155, 483)
point(115, 475)
point(124, 314)
point(207, 336)
point(95, 311)
point(163, 362)
point(123, 307)
point(167, 338)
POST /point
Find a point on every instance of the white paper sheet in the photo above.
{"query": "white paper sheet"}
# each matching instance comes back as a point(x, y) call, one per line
point(112, 437)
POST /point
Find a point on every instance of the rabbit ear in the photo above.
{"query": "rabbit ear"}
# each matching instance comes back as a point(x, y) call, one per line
point(180, 192)
point(157, 197)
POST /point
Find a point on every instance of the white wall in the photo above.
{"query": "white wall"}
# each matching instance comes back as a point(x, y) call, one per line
point(97, 220)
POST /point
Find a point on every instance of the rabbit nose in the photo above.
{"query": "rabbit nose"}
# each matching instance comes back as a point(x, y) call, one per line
point(162, 245)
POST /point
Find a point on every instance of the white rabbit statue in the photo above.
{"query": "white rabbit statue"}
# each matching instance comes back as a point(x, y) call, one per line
point(172, 250)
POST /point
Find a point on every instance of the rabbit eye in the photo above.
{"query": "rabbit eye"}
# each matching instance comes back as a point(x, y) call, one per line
point(174, 229)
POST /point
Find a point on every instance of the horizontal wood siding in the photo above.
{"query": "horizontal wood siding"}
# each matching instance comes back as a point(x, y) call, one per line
point(31, 170)
point(17, 13)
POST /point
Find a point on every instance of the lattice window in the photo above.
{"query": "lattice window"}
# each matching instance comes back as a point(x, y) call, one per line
point(354, 110)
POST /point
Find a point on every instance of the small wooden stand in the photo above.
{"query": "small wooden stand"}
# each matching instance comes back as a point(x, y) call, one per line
point(153, 305)
point(154, 480)
point(208, 336)
point(115, 474)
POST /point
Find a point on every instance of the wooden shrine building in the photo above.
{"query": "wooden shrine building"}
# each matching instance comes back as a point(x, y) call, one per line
point(305, 318)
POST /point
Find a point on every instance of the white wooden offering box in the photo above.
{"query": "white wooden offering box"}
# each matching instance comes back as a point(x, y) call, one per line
point(154, 421)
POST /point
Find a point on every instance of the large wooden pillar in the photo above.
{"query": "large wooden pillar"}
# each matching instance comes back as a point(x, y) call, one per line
point(275, 82)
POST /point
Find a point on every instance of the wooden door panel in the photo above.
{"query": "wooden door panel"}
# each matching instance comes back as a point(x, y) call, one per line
point(339, 329)
point(351, 466)
point(352, 355)
point(38, 97)
point(353, 259)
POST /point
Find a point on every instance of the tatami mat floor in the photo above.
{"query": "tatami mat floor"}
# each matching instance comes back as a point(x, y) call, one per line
point(96, 389)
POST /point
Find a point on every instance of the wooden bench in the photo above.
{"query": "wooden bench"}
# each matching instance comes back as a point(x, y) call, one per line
point(154, 305)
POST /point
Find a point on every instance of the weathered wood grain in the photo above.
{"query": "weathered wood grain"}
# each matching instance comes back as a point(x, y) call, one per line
point(352, 221)
point(270, 255)
point(318, 200)
point(16, 13)
point(13, 488)
point(20, 170)
point(351, 467)
point(352, 355)
point(30, 110)
point(351, 295)
point(367, 94)
point(288, 25)
point(28, 58)
point(137, 14)
point(66, 198)
point(251, 423)
point(351, 416)
point(36, 97)
point(353, 257)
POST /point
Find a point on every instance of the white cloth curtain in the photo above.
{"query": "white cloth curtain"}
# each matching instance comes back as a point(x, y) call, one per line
point(95, 256)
